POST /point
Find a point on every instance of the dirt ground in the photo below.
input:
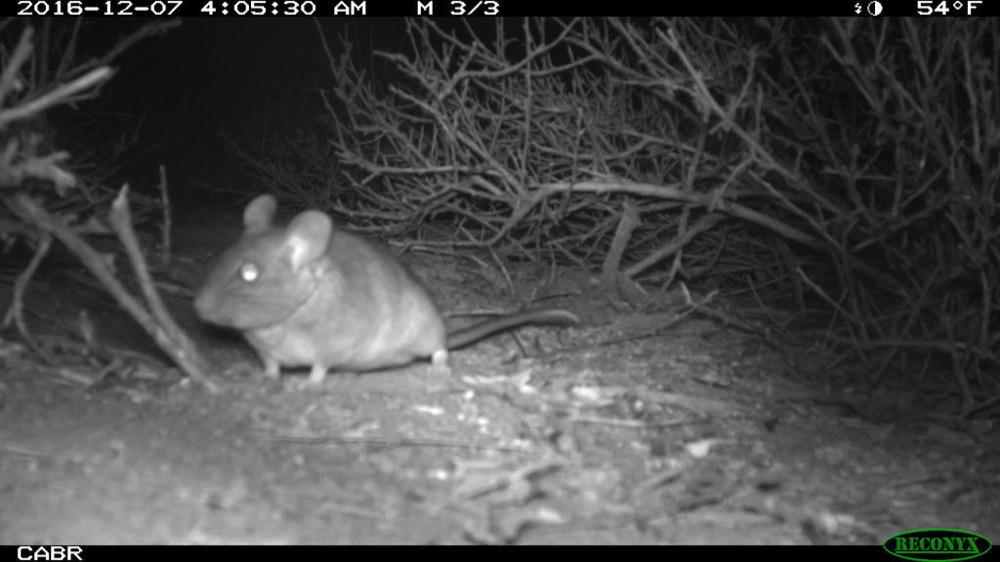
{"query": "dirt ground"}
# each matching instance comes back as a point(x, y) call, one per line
point(634, 427)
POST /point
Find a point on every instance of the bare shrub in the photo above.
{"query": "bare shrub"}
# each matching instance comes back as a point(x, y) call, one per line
point(848, 167)
point(43, 200)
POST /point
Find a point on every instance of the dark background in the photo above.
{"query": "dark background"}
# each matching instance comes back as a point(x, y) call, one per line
point(185, 89)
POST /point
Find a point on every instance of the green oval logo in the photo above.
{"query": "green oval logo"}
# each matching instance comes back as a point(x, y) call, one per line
point(937, 545)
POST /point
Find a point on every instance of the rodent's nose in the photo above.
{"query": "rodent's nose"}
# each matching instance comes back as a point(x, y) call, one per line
point(203, 306)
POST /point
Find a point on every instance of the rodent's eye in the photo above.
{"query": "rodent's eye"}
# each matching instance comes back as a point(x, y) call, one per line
point(249, 272)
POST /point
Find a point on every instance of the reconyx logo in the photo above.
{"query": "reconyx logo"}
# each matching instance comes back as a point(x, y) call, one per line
point(937, 545)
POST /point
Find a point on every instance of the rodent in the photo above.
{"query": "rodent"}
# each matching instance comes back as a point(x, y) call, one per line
point(312, 294)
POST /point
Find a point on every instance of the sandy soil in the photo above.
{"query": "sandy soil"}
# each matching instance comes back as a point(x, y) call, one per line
point(632, 428)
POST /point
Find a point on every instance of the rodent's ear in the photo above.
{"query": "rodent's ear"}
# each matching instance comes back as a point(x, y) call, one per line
point(308, 234)
point(259, 213)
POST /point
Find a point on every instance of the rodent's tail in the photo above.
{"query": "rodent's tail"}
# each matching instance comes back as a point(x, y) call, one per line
point(552, 316)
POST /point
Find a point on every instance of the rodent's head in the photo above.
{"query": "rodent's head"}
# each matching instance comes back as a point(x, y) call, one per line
point(270, 273)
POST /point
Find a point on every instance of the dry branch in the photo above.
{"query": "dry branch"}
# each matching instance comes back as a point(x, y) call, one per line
point(32, 212)
point(26, 202)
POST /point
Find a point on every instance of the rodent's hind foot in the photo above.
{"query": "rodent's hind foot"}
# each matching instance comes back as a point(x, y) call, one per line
point(442, 379)
point(317, 375)
point(439, 363)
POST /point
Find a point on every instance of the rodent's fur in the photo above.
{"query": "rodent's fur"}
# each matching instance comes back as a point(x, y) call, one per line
point(312, 294)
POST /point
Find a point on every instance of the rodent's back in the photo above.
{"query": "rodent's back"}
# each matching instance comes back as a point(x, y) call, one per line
point(381, 298)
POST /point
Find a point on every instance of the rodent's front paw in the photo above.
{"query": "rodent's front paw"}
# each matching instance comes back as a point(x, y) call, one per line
point(272, 369)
